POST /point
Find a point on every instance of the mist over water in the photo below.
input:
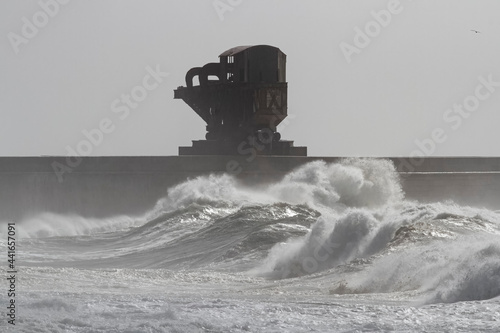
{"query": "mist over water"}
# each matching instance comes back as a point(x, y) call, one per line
point(325, 231)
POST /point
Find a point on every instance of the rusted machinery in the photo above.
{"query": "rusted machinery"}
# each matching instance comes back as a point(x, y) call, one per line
point(242, 99)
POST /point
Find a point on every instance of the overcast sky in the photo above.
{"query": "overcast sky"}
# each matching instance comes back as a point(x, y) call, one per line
point(412, 79)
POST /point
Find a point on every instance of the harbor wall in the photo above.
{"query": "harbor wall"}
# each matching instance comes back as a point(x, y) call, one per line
point(105, 186)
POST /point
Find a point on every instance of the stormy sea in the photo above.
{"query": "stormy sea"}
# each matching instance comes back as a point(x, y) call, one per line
point(329, 248)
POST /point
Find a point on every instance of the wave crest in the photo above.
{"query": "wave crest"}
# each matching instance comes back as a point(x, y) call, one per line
point(350, 183)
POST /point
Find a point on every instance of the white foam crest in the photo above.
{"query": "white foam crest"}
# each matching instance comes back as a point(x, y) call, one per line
point(52, 225)
point(357, 233)
point(463, 270)
point(331, 242)
point(214, 190)
point(475, 277)
point(353, 196)
point(350, 183)
point(485, 220)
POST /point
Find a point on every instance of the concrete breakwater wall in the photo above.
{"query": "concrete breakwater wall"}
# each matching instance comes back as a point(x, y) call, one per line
point(106, 186)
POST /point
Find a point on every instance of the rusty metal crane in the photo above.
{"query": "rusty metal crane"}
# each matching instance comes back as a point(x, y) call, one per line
point(241, 98)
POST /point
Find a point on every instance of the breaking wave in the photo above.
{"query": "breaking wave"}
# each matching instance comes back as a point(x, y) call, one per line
point(345, 224)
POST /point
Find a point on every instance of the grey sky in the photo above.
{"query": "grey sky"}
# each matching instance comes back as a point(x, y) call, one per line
point(395, 90)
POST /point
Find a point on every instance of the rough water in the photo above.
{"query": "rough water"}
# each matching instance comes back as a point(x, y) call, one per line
point(330, 248)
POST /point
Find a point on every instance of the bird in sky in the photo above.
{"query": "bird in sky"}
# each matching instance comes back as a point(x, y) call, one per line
point(477, 32)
